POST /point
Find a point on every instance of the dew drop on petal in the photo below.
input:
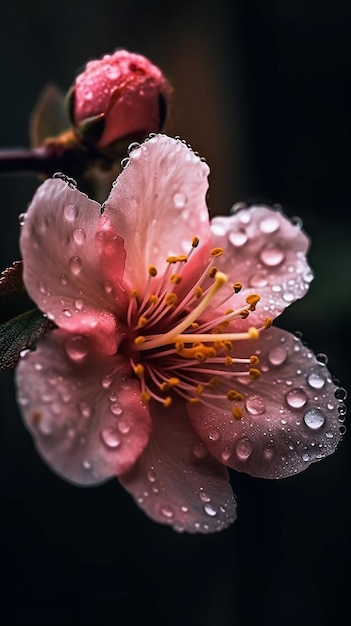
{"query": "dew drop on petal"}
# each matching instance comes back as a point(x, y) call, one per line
point(77, 347)
point(237, 239)
point(259, 281)
point(277, 355)
point(116, 408)
point(255, 405)
point(315, 380)
point(199, 451)
point(64, 279)
point(314, 418)
point(209, 510)
point(268, 452)
point(79, 304)
point(106, 381)
point(203, 496)
point(110, 437)
point(269, 225)
point(22, 218)
point(179, 200)
point(151, 475)
point(244, 448)
point(213, 435)
point(123, 427)
point(305, 457)
point(296, 398)
point(272, 256)
point(167, 511)
point(70, 212)
point(79, 236)
point(75, 265)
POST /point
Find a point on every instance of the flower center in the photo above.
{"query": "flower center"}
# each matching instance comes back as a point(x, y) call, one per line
point(180, 345)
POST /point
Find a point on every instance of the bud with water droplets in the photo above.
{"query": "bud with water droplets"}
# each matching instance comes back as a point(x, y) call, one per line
point(120, 96)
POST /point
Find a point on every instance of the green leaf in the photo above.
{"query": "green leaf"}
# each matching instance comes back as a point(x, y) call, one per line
point(21, 323)
point(50, 117)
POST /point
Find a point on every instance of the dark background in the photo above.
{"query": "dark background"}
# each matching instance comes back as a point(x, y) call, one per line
point(262, 91)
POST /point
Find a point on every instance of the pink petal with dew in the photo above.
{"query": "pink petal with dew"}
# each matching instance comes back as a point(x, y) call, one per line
point(176, 481)
point(73, 259)
point(266, 253)
point(158, 204)
point(82, 407)
point(290, 413)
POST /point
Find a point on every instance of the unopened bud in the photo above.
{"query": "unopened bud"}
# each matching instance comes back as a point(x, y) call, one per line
point(121, 96)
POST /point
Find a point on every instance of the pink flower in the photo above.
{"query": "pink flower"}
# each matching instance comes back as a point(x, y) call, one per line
point(128, 90)
point(163, 369)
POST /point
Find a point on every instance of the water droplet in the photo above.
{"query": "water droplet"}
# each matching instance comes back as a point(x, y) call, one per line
point(258, 280)
point(108, 287)
point(213, 435)
point(179, 200)
point(272, 256)
point(255, 405)
point(244, 448)
point(340, 393)
point(296, 398)
point(133, 146)
point(64, 279)
point(79, 236)
point(238, 238)
point(151, 475)
point(199, 451)
point(124, 163)
point(314, 418)
point(79, 304)
point(110, 437)
point(38, 366)
point(315, 380)
point(208, 508)
point(269, 225)
point(305, 457)
point(342, 409)
point(277, 355)
point(70, 212)
point(184, 509)
point(167, 511)
point(75, 265)
point(116, 408)
point(123, 427)
point(203, 496)
point(297, 221)
point(84, 409)
point(77, 347)
point(322, 358)
point(22, 218)
point(268, 452)
point(225, 455)
point(86, 464)
point(106, 381)
point(288, 296)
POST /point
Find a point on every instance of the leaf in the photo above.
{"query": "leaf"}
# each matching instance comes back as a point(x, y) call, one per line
point(20, 333)
point(21, 323)
point(49, 117)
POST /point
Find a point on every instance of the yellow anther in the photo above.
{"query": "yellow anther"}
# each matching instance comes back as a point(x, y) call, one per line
point(152, 299)
point(213, 382)
point(134, 293)
point(139, 340)
point(237, 287)
point(195, 242)
point(268, 323)
point(244, 314)
point(142, 321)
point(139, 370)
point(173, 381)
point(229, 311)
point(253, 333)
point(171, 259)
point(252, 301)
point(254, 372)
point(198, 292)
point(216, 330)
point(194, 400)
point(234, 395)
point(179, 346)
point(171, 298)
point(228, 361)
point(228, 345)
point(194, 325)
point(175, 278)
point(164, 386)
point(182, 258)
point(254, 359)
point(199, 389)
point(200, 356)
point(167, 402)
point(152, 270)
point(145, 396)
point(237, 413)
point(213, 271)
point(216, 252)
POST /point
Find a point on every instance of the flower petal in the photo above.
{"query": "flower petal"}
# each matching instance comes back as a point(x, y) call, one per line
point(290, 416)
point(73, 259)
point(266, 253)
point(176, 481)
point(158, 204)
point(83, 408)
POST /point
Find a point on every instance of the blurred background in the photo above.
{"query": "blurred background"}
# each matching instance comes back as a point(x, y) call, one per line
point(262, 91)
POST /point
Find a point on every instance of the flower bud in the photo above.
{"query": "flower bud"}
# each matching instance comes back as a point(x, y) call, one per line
point(121, 96)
